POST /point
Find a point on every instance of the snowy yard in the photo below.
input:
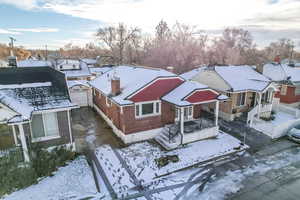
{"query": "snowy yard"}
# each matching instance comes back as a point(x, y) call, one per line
point(74, 181)
point(278, 127)
point(140, 160)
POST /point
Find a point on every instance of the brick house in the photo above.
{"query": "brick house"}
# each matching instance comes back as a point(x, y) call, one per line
point(287, 77)
point(250, 93)
point(35, 105)
point(140, 102)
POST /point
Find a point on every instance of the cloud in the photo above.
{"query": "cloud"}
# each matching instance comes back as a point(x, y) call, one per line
point(3, 31)
point(35, 30)
point(23, 4)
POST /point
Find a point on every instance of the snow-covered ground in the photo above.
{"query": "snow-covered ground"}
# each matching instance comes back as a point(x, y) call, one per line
point(140, 158)
point(220, 187)
point(278, 127)
point(74, 181)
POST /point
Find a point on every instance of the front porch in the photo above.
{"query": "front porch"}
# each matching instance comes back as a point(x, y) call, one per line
point(187, 129)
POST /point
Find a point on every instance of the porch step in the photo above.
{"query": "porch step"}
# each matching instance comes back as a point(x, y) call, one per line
point(163, 140)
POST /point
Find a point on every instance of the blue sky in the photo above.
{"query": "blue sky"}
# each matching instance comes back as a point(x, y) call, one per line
point(35, 23)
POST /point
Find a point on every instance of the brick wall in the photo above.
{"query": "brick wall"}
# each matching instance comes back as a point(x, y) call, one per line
point(289, 97)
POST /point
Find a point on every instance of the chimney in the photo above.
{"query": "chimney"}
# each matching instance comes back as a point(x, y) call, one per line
point(115, 86)
point(170, 69)
point(277, 59)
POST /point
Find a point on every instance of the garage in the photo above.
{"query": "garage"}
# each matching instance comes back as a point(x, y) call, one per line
point(80, 93)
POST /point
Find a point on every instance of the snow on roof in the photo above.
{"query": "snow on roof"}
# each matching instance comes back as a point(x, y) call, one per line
point(74, 68)
point(34, 63)
point(190, 74)
point(25, 85)
point(281, 72)
point(243, 77)
point(26, 100)
point(177, 95)
point(132, 78)
point(77, 82)
point(89, 61)
point(100, 70)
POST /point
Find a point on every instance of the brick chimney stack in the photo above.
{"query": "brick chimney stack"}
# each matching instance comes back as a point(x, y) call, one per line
point(115, 86)
point(277, 59)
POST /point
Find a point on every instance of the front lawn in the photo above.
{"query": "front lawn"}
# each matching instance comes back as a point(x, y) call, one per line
point(73, 181)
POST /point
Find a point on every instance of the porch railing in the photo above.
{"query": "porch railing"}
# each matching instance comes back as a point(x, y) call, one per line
point(200, 124)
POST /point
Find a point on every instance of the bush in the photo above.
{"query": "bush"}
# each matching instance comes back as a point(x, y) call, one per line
point(15, 175)
point(163, 161)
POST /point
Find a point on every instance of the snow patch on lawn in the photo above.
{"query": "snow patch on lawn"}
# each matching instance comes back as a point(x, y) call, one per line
point(74, 181)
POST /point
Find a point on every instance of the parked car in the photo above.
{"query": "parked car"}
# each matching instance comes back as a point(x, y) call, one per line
point(294, 134)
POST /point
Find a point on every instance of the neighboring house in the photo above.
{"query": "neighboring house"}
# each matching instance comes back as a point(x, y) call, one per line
point(77, 73)
point(73, 69)
point(36, 104)
point(250, 93)
point(141, 103)
point(80, 92)
point(34, 63)
point(98, 71)
point(288, 80)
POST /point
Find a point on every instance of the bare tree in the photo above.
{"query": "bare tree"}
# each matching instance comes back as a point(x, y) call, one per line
point(117, 39)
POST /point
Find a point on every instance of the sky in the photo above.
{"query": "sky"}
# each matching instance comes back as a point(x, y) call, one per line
point(36, 23)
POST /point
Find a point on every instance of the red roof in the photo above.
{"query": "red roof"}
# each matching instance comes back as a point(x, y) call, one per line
point(157, 89)
point(201, 96)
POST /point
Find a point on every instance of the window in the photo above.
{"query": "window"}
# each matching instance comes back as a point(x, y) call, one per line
point(283, 89)
point(44, 126)
point(266, 97)
point(147, 109)
point(187, 113)
point(241, 99)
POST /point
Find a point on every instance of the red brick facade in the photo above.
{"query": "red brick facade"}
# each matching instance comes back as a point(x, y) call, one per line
point(128, 123)
point(290, 96)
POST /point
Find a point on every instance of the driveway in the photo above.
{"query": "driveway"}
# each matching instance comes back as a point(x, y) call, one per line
point(90, 130)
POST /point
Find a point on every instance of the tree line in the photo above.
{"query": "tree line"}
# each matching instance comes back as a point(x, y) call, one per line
point(180, 46)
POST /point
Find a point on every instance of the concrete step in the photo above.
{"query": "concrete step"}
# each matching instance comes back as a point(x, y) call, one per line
point(165, 143)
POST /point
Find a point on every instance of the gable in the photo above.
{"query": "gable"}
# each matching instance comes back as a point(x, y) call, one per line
point(201, 96)
point(6, 113)
point(212, 79)
point(156, 89)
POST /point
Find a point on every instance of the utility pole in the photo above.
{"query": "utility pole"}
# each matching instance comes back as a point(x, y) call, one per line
point(46, 53)
point(11, 44)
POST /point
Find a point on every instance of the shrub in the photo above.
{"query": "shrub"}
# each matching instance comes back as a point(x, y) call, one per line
point(163, 161)
point(15, 175)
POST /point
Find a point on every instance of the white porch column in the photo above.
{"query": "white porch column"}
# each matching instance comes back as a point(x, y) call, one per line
point(182, 123)
point(217, 113)
point(24, 143)
point(259, 105)
point(15, 135)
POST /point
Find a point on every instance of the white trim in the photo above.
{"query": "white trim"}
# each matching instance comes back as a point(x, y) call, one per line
point(70, 128)
point(140, 115)
point(24, 143)
point(54, 110)
point(152, 82)
point(46, 138)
